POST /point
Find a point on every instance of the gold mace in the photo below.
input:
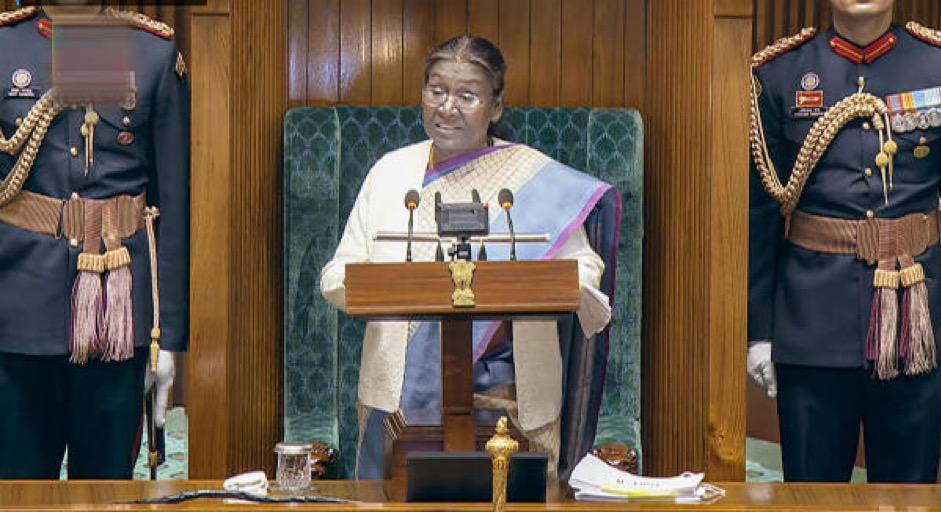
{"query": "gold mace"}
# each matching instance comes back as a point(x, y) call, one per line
point(501, 447)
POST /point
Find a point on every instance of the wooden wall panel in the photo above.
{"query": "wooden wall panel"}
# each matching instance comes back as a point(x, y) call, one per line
point(259, 92)
point(208, 406)
point(450, 19)
point(514, 43)
point(299, 43)
point(695, 216)
point(387, 46)
point(321, 62)
point(355, 52)
point(728, 287)
point(418, 39)
point(608, 53)
point(584, 52)
point(635, 52)
point(546, 46)
point(483, 18)
point(577, 23)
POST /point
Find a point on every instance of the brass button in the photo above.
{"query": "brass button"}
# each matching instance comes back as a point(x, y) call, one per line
point(871, 262)
point(126, 120)
point(868, 172)
point(73, 242)
point(19, 121)
point(73, 151)
point(866, 126)
point(74, 195)
point(870, 214)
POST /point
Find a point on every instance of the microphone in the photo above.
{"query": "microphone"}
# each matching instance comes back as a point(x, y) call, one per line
point(505, 198)
point(411, 203)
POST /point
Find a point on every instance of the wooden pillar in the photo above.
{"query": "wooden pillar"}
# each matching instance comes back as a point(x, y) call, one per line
point(239, 83)
point(696, 247)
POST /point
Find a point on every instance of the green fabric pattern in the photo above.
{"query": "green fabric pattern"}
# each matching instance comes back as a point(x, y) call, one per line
point(327, 153)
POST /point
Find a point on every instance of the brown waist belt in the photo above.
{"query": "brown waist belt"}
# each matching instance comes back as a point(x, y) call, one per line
point(102, 316)
point(871, 240)
point(114, 218)
point(900, 336)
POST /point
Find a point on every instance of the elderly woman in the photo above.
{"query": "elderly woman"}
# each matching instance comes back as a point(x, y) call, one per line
point(520, 368)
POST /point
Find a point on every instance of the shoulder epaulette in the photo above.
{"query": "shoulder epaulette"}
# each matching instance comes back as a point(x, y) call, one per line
point(782, 46)
point(143, 22)
point(930, 36)
point(11, 17)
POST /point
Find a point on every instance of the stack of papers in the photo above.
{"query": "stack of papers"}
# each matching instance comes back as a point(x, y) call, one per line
point(594, 480)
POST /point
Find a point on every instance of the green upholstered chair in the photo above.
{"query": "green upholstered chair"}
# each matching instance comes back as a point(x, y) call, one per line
point(327, 153)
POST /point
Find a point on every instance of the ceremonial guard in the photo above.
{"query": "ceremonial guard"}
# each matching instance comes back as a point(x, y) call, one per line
point(94, 206)
point(845, 268)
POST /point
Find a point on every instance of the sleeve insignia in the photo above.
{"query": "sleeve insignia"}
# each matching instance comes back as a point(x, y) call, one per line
point(143, 22)
point(782, 46)
point(180, 65)
point(930, 36)
point(12, 17)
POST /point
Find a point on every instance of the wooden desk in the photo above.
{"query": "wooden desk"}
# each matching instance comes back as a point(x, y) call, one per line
point(97, 495)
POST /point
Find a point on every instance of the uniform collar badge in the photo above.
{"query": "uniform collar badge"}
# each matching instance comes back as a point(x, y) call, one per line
point(44, 25)
point(866, 55)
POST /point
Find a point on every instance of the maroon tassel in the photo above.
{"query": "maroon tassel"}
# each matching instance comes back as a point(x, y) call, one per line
point(905, 336)
point(875, 328)
point(881, 346)
point(919, 352)
point(119, 319)
point(86, 316)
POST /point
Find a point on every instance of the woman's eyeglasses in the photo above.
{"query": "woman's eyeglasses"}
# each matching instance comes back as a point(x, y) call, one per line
point(465, 102)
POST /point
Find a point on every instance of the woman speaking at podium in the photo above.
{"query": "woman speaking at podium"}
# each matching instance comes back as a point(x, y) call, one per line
point(517, 368)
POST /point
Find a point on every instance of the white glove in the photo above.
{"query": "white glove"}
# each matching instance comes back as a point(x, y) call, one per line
point(166, 372)
point(760, 366)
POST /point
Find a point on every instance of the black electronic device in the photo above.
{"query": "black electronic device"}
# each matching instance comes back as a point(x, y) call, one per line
point(468, 476)
point(462, 220)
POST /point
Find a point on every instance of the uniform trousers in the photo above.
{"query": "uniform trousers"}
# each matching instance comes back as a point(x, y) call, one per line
point(820, 412)
point(48, 404)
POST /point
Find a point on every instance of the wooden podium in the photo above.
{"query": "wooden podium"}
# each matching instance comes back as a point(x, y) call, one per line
point(502, 290)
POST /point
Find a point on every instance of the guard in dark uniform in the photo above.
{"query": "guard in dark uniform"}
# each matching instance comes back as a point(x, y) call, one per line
point(94, 207)
point(845, 267)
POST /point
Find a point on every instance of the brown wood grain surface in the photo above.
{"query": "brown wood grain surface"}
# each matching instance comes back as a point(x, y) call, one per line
point(410, 289)
point(450, 19)
point(378, 496)
point(387, 58)
point(483, 18)
point(321, 62)
point(259, 92)
point(546, 44)
point(694, 307)
point(559, 52)
point(208, 406)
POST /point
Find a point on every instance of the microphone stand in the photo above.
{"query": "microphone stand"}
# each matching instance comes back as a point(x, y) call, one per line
point(509, 223)
point(408, 244)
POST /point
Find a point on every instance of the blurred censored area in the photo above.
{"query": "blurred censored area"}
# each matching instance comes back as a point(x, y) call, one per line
point(91, 59)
